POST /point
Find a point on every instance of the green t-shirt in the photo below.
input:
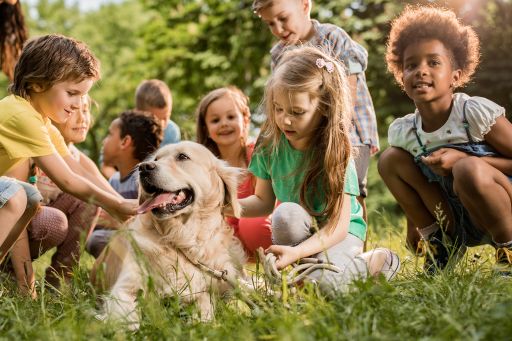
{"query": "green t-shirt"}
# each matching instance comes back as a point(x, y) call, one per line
point(282, 168)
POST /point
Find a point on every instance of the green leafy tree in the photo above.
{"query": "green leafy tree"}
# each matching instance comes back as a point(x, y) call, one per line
point(198, 45)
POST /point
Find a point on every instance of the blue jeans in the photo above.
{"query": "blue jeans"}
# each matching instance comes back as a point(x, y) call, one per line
point(466, 231)
point(10, 186)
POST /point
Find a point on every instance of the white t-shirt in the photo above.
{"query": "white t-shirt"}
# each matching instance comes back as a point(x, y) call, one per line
point(481, 115)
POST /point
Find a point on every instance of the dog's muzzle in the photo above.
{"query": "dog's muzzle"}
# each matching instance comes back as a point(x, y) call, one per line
point(161, 201)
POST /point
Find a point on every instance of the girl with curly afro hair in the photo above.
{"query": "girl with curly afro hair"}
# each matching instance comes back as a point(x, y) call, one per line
point(449, 163)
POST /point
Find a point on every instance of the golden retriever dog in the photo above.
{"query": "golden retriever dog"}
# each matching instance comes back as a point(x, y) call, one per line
point(183, 189)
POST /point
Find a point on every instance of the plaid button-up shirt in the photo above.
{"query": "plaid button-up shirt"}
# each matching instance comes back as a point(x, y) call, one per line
point(354, 57)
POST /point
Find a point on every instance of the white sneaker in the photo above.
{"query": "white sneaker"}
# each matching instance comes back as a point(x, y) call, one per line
point(391, 264)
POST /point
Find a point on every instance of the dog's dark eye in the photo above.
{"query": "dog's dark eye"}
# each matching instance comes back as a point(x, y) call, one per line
point(182, 157)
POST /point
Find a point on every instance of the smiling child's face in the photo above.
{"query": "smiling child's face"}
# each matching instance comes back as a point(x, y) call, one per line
point(428, 71)
point(288, 20)
point(225, 122)
point(60, 101)
point(75, 129)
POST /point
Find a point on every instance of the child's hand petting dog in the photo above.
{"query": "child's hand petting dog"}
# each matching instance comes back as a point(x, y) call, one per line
point(125, 210)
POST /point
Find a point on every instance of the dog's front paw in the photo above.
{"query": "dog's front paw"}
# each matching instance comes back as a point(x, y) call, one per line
point(121, 308)
point(206, 309)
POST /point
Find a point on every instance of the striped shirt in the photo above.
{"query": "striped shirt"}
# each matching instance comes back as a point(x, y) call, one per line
point(355, 59)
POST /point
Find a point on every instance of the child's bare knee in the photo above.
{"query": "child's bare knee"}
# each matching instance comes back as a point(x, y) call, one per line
point(18, 202)
point(392, 157)
point(467, 169)
point(469, 175)
point(290, 224)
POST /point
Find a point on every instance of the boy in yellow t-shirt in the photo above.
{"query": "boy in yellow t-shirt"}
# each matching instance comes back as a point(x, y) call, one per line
point(52, 75)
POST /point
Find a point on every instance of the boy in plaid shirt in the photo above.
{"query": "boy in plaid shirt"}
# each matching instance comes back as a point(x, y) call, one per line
point(289, 21)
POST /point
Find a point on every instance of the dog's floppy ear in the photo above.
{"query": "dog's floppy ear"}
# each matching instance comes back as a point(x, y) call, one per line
point(230, 176)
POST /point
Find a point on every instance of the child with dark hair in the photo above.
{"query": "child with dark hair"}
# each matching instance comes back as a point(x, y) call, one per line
point(449, 162)
point(131, 138)
point(154, 97)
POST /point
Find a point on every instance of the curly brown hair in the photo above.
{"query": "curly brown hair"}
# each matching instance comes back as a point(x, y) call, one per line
point(417, 23)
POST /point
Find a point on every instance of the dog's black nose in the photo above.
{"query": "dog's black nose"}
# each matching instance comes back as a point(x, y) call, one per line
point(147, 166)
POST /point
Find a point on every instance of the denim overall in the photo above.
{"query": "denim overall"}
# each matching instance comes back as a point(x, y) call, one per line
point(465, 230)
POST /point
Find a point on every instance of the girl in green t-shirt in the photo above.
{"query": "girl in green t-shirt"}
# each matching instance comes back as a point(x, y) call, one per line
point(303, 159)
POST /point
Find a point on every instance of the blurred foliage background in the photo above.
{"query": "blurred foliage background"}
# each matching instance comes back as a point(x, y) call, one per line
point(198, 45)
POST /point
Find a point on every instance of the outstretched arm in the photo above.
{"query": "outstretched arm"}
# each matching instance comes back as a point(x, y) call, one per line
point(60, 173)
point(87, 168)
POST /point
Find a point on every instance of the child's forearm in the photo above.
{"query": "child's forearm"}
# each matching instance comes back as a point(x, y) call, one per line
point(85, 190)
point(261, 203)
point(89, 171)
point(68, 181)
point(254, 206)
point(500, 163)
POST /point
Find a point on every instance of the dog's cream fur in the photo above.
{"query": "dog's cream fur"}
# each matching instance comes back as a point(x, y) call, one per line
point(165, 246)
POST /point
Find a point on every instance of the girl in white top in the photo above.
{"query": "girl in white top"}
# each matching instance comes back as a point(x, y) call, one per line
point(448, 163)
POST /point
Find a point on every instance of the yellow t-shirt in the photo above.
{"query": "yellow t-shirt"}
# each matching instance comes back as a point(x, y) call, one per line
point(24, 133)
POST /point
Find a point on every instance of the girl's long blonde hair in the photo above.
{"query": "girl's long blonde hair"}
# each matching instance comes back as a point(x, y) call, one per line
point(328, 154)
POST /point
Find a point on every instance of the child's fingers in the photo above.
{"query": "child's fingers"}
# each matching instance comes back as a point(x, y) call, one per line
point(129, 207)
point(425, 160)
point(430, 160)
point(269, 249)
point(275, 249)
point(438, 152)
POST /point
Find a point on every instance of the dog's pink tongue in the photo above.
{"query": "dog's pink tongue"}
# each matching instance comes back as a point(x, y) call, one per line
point(156, 201)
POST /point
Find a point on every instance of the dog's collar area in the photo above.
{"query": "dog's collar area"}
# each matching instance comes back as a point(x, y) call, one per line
point(223, 275)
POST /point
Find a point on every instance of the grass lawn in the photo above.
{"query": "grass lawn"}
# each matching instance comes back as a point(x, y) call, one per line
point(469, 302)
